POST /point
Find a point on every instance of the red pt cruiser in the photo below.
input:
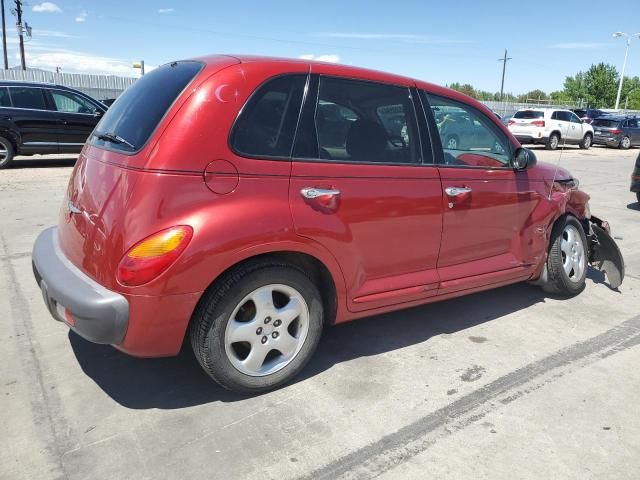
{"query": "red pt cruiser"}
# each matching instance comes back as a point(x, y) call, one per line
point(247, 202)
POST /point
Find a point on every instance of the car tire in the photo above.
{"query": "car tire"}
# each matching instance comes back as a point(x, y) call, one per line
point(586, 142)
point(452, 142)
point(625, 143)
point(552, 142)
point(567, 259)
point(228, 326)
point(7, 152)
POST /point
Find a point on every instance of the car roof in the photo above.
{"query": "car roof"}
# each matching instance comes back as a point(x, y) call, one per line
point(18, 83)
point(337, 69)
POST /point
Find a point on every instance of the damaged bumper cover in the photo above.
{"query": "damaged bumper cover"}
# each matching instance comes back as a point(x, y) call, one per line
point(604, 254)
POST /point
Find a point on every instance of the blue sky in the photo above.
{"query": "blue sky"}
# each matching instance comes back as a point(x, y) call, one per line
point(441, 42)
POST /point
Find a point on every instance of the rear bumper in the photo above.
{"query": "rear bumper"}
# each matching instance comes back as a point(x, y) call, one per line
point(530, 139)
point(94, 312)
point(609, 141)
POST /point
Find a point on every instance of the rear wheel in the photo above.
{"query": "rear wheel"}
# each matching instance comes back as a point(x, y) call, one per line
point(6, 153)
point(553, 141)
point(586, 142)
point(258, 327)
point(625, 143)
point(567, 259)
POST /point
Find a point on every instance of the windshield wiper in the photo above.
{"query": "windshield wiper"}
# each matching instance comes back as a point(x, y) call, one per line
point(112, 137)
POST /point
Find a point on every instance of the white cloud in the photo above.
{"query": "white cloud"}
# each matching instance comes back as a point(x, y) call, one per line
point(78, 62)
point(327, 57)
point(403, 37)
point(51, 33)
point(82, 17)
point(579, 45)
point(46, 7)
point(166, 10)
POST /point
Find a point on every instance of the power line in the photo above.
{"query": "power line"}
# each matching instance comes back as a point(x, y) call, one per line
point(504, 61)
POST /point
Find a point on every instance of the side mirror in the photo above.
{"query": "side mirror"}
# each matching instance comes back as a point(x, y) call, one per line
point(98, 113)
point(523, 159)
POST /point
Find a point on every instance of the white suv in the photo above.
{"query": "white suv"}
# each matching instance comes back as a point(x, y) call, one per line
point(550, 126)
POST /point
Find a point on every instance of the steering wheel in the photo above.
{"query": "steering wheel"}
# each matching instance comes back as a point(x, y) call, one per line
point(397, 141)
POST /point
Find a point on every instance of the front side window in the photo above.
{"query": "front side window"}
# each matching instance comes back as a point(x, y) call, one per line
point(23, 97)
point(574, 118)
point(70, 103)
point(468, 137)
point(633, 123)
point(267, 123)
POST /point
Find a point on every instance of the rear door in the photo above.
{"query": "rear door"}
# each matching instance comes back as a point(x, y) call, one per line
point(77, 117)
point(362, 187)
point(36, 124)
point(560, 122)
point(486, 204)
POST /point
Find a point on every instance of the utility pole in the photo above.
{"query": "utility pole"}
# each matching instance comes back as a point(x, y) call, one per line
point(4, 38)
point(20, 32)
point(504, 67)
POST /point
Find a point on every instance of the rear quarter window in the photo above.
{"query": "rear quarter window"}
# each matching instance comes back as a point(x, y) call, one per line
point(138, 111)
point(529, 114)
point(27, 97)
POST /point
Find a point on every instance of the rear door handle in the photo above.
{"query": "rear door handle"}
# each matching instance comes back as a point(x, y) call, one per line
point(311, 193)
point(455, 191)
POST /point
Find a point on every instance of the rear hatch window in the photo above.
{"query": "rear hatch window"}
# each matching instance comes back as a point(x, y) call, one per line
point(134, 116)
point(605, 123)
point(529, 114)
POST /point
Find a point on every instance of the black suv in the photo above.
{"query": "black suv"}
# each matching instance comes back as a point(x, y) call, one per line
point(44, 118)
point(616, 131)
point(588, 114)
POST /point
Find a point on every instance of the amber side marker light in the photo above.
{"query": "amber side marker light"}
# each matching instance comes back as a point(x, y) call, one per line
point(150, 257)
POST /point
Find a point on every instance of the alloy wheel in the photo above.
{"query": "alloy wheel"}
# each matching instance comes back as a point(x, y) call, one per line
point(266, 330)
point(573, 254)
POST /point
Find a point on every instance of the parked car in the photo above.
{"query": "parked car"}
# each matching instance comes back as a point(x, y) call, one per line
point(44, 118)
point(617, 131)
point(551, 127)
point(635, 178)
point(589, 114)
point(225, 208)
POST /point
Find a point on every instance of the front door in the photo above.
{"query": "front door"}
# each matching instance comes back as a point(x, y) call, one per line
point(486, 203)
point(575, 127)
point(77, 117)
point(362, 188)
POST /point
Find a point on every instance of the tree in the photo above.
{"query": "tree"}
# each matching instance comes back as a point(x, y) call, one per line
point(630, 89)
point(575, 87)
point(465, 88)
point(536, 94)
point(601, 82)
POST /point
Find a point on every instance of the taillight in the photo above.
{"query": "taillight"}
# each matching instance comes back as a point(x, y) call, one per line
point(510, 122)
point(538, 123)
point(615, 132)
point(150, 257)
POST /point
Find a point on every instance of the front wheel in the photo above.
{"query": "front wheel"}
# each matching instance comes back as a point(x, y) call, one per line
point(586, 142)
point(258, 327)
point(553, 141)
point(567, 259)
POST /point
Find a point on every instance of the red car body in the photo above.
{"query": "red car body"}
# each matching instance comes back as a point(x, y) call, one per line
point(392, 241)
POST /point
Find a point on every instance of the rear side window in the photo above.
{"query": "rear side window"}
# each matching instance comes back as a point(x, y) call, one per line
point(27, 98)
point(139, 110)
point(5, 100)
point(359, 121)
point(632, 123)
point(267, 123)
point(528, 114)
point(605, 123)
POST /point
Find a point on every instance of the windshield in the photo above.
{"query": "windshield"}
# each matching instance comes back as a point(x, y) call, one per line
point(137, 112)
point(528, 114)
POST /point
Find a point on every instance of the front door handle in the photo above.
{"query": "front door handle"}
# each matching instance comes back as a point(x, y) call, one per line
point(456, 191)
point(311, 193)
